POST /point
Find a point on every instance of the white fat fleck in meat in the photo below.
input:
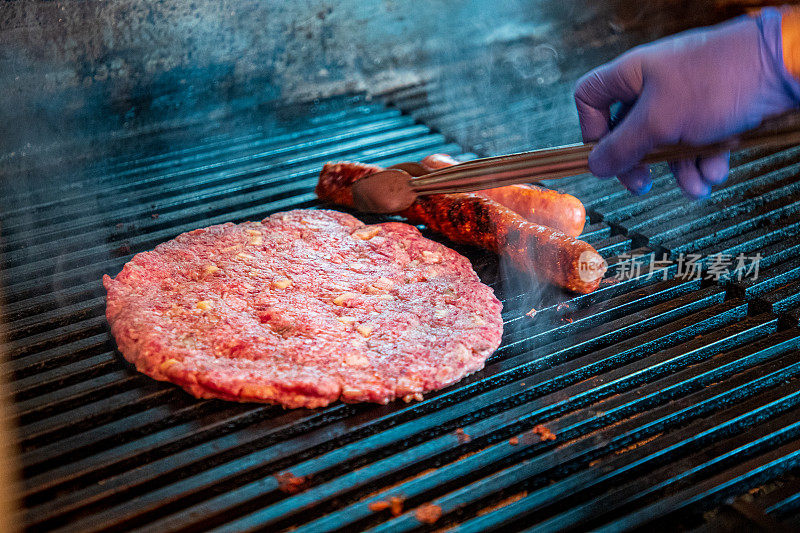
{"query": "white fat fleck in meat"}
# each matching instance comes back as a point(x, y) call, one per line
point(403, 383)
point(431, 257)
point(365, 329)
point(167, 364)
point(408, 398)
point(256, 239)
point(346, 319)
point(365, 233)
point(478, 320)
point(356, 360)
point(343, 298)
point(383, 283)
point(282, 282)
point(461, 353)
point(210, 270)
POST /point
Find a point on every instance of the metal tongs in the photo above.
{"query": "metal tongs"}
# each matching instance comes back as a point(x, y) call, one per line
point(397, 187)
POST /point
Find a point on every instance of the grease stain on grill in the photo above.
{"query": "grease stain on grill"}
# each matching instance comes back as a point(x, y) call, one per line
point(462, 437)
point(122, 250)
point(291, 484)
point(428, 513)
point(502, 503)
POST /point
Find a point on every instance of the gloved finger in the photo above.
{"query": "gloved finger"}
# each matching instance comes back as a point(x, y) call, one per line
point(626, 145)
point(597, 90)
point(689, 179)
point(714, 169)
point(637, 180)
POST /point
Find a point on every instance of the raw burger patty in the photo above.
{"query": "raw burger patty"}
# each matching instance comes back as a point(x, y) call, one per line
point(304, 308)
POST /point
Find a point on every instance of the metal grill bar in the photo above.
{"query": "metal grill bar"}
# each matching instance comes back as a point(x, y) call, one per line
point(756, 212)
point(611, 443)
point(158, 470)
point(225, 171)
point(644, 375)
point(119, 154)
point(257, 205)
point(520, 418)
point(461, 111)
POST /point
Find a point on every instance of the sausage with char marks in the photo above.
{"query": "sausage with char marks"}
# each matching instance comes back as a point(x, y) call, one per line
point(470, 218)
point(536, 204)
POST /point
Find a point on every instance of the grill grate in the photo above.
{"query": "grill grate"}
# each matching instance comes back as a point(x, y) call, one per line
point(667, 396)
point(758, 210)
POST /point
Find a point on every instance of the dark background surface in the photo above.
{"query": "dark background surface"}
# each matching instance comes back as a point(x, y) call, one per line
point(78, 69)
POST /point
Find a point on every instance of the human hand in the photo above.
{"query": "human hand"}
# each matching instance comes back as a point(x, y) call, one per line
point(697, 87)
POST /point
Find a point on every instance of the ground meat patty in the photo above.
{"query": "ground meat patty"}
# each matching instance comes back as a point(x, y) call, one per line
point(304, 308)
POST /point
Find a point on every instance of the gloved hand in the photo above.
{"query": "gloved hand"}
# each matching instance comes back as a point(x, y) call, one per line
point(697, 87)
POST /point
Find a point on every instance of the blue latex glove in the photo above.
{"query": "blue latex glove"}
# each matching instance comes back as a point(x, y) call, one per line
point(697, 87)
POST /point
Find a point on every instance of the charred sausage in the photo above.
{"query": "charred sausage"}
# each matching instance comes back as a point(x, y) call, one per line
point(536, 204)
point(476, 220)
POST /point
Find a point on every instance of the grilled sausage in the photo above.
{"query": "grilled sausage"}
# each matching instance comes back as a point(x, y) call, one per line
point(479, 221)
point(437, 161)
point(550, 208)
point(536, 204)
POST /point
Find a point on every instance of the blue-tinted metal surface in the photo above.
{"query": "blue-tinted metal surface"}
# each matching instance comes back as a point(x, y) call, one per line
point(664, 395)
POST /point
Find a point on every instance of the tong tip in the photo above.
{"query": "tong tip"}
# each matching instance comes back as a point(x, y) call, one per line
point(388, 191)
